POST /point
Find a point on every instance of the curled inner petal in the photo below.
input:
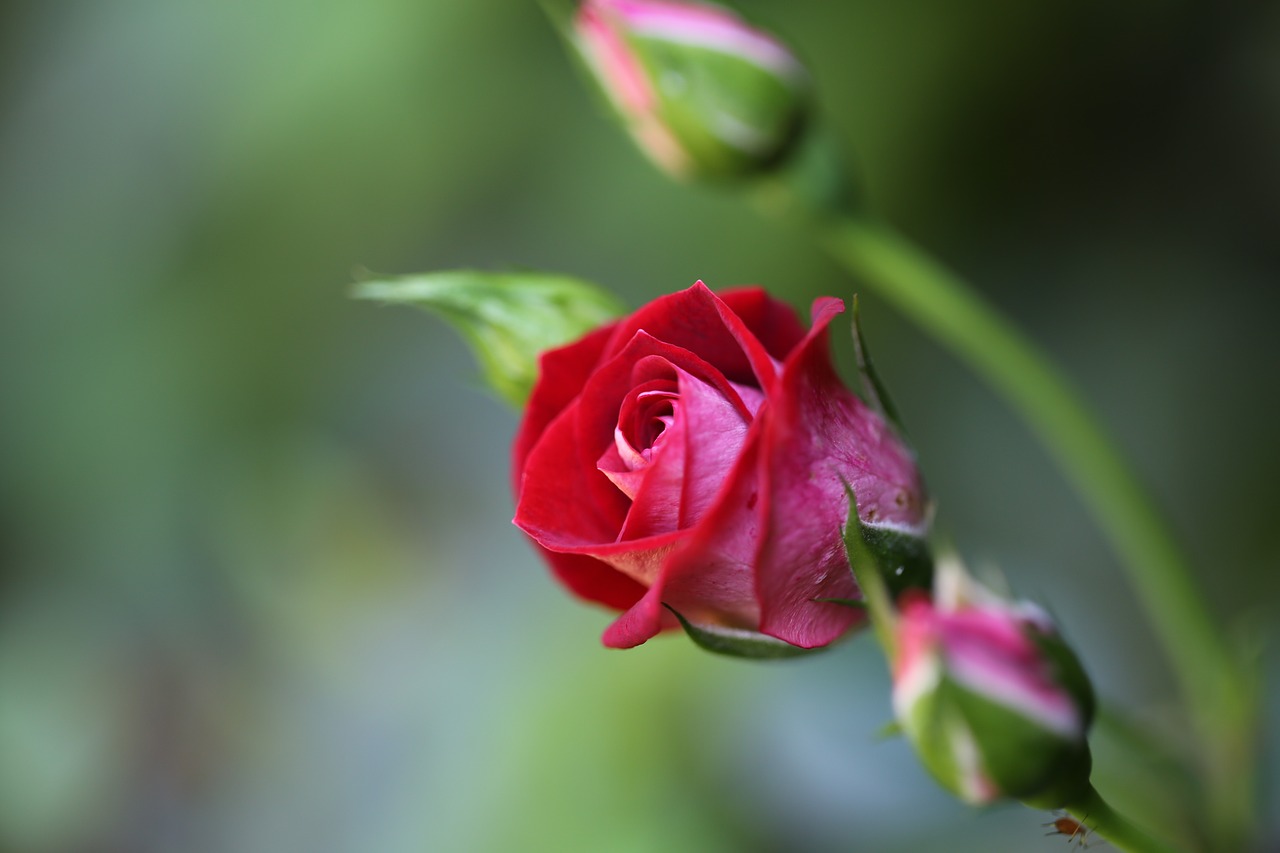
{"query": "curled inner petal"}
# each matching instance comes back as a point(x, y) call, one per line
point(675, 441)
point(647, 413)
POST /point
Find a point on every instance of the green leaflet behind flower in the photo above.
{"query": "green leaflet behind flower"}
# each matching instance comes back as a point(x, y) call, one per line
point(509, 318)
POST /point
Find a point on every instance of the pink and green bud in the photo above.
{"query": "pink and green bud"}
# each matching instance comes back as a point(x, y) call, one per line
point(993, 700)
point(703, 93)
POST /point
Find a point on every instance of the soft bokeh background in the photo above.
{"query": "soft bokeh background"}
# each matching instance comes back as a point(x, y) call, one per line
point(259, 591)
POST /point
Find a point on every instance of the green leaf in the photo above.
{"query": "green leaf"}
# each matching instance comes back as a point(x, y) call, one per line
point(508, 318)
point(739, 643)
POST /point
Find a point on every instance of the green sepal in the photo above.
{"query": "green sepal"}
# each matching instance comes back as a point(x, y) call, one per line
point(765, 109)
point(508, 318)
point(855, 603)
point(738, 643)
point(1069, 672)
point(1022, 760)
point(868, 574)
point(872, 388)
point(905, 561)
point(932, 725)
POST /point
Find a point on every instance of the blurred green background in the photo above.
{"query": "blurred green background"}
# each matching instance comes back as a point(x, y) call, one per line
point(258, 588)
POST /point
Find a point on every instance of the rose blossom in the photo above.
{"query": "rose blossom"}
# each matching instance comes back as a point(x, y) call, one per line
point(695, 454)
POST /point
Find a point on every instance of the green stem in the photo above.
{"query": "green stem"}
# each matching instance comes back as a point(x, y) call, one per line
point(1208, 675)
point(1213, 684)
point(1098, 818)
point(955, 315)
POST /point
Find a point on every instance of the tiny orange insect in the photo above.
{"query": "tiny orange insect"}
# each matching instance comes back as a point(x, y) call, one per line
point(1073, 829)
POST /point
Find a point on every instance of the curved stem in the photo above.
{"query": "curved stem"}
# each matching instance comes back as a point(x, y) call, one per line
point(955, 315)
point(1213, 685)
point(1217, 688)
point(1097, 817)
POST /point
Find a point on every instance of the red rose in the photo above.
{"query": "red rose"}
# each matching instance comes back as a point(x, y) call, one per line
point(695, 454)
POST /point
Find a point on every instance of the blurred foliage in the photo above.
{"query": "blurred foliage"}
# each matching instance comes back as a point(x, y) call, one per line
point(258, 590)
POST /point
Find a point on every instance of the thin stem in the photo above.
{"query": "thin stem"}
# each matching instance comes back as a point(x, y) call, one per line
point(1212, 683)
point(1217, 688)
point(955, 315)
point(1097, 817)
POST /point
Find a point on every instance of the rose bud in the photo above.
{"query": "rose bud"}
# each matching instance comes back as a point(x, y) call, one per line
point(695, 455)
point(993, 700)
point(704, 94)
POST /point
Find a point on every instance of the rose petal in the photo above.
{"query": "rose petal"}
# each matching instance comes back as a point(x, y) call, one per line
point(563, 457)
point(687, 472)
point(557, 488)
point(624, 76)
point(711, 577)
point(623, 462)
point(562, 373)
point(710, 27)
point(566, 504)
point(917, 668)
point(656, 507)
point(690, 320)
point(641, 622)
point(773, 322)
point(989, 651)
point(815, 440)
point(714, 431)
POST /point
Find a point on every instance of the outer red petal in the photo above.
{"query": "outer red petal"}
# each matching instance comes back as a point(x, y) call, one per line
point(712, 577)
point(817, 437)
point(562, 373)
point(772, 322)
point(561, 504)
point(690, 319)
point(641, 622)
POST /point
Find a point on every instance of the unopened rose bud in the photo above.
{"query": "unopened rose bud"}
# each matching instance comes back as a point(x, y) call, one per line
point(993, 700)
point(704, 94)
